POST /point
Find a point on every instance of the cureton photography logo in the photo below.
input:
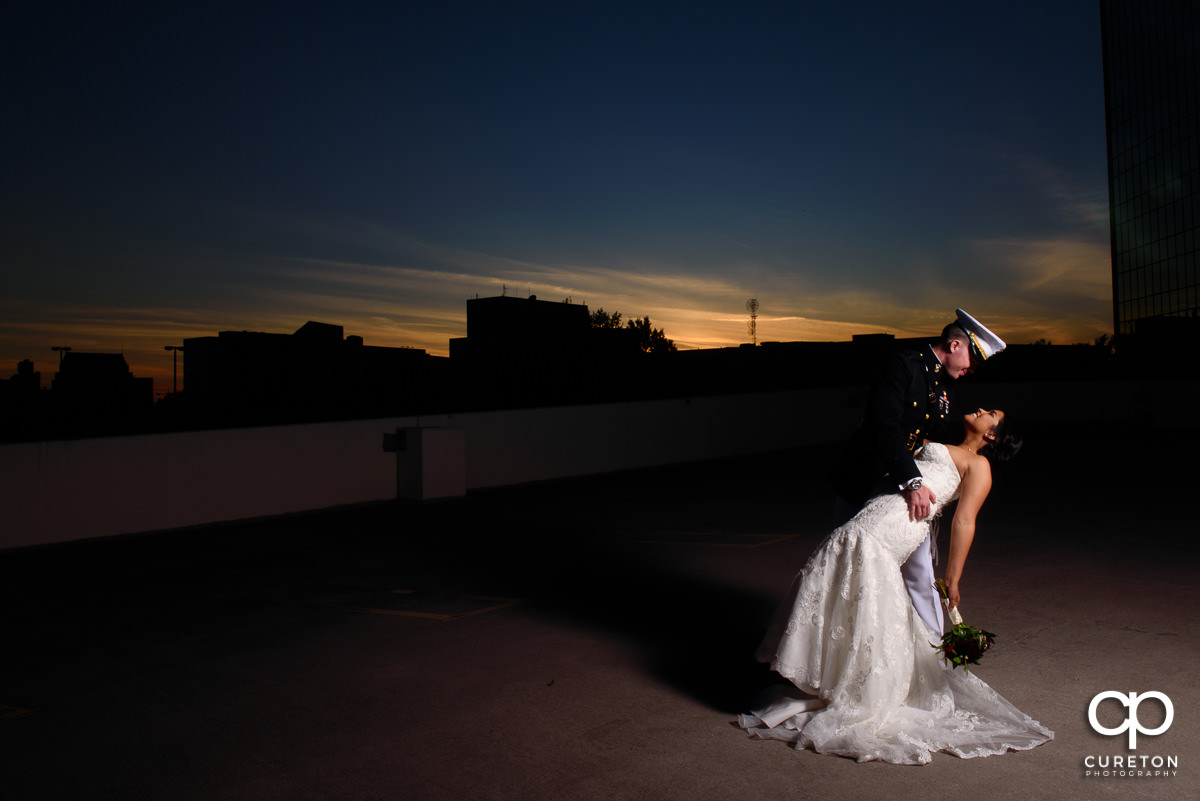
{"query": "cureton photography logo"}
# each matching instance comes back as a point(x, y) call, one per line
point(1123, 710)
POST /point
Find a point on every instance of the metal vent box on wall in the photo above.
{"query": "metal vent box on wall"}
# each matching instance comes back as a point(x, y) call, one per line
point(430, 462)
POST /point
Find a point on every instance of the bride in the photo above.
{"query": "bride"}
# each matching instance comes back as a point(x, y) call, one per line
point(867, 682)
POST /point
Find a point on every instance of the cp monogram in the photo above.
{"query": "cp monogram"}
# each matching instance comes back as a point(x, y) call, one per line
point(1132, 724)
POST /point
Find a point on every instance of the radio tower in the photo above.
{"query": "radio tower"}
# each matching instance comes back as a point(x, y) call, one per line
point(752, 326)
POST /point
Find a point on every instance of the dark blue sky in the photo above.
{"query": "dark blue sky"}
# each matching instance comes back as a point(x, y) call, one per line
point(856, 167)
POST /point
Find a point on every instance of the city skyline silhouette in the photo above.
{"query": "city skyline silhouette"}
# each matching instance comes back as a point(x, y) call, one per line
point(854, 170)
point(518, 352)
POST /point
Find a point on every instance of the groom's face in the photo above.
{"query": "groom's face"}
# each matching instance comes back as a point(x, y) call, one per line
point(959, 361)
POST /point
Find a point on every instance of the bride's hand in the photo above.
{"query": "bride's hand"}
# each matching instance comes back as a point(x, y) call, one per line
point(952, 595)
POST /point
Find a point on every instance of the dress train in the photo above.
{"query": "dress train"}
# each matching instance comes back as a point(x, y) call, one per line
point(866, 682)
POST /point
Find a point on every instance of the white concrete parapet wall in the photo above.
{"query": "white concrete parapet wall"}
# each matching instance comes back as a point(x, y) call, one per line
point(430, 463)
point(58, 491)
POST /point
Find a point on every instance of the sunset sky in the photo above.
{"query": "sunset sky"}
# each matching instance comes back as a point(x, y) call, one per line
point(856, 167)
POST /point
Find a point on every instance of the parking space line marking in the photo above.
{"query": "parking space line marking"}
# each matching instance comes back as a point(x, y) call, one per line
point(9, 712)
point(501, 603)
point(750, 540)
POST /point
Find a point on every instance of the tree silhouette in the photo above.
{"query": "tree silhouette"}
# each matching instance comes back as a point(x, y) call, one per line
point(649, 338)
point(602, 319)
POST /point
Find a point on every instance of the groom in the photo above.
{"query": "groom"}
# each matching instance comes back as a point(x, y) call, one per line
point(909, 404)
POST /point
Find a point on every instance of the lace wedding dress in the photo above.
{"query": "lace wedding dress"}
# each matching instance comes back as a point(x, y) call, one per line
point(868, 684)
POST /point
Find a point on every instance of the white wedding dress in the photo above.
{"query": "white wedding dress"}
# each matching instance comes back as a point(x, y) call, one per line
point(868, 683)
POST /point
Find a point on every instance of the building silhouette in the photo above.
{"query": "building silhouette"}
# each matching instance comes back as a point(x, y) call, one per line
point(1152, 104)
point(95, 393)
point(26, 381)
point(531, 352)
point(518, 353)
point(22, 401)
point(316, 373)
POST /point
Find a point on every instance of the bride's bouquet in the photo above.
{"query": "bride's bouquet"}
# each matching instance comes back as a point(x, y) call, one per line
point(963, 645)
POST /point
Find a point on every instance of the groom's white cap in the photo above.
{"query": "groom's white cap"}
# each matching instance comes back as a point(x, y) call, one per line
point(984, 344)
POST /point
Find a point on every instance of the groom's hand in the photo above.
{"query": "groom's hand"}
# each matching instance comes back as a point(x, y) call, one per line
point(919, 502)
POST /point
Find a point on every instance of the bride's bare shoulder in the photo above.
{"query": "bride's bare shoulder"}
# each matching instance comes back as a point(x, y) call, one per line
point(967, 461)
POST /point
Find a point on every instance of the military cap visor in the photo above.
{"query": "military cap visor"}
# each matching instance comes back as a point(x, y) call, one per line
point(984, 344)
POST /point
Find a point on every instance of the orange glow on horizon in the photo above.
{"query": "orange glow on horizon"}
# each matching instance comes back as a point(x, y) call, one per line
point(142, 343)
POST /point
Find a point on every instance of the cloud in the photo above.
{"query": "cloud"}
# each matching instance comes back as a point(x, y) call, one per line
point(28, 331)
point(425, 306)
point(413, 293)
point(1074, 204)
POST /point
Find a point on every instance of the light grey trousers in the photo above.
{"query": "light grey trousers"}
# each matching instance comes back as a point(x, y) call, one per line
point(917, 572)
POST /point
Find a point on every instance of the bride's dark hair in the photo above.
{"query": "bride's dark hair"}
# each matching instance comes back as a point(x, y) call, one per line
point(1006, 445)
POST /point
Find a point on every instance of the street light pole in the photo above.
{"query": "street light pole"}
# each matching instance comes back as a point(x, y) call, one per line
point(174, 366)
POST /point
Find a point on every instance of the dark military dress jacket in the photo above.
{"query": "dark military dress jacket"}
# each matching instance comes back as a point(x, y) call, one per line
point(909, 404)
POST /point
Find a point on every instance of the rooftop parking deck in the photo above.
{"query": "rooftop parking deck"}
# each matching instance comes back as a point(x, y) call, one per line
point(580, 639)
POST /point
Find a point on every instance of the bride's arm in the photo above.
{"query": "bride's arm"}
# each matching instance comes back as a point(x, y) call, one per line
point(976, 483)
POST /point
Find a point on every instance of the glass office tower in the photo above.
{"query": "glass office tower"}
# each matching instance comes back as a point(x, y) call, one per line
point(1151, 69)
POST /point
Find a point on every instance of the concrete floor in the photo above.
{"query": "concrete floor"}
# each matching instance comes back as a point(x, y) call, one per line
point(589, 639)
